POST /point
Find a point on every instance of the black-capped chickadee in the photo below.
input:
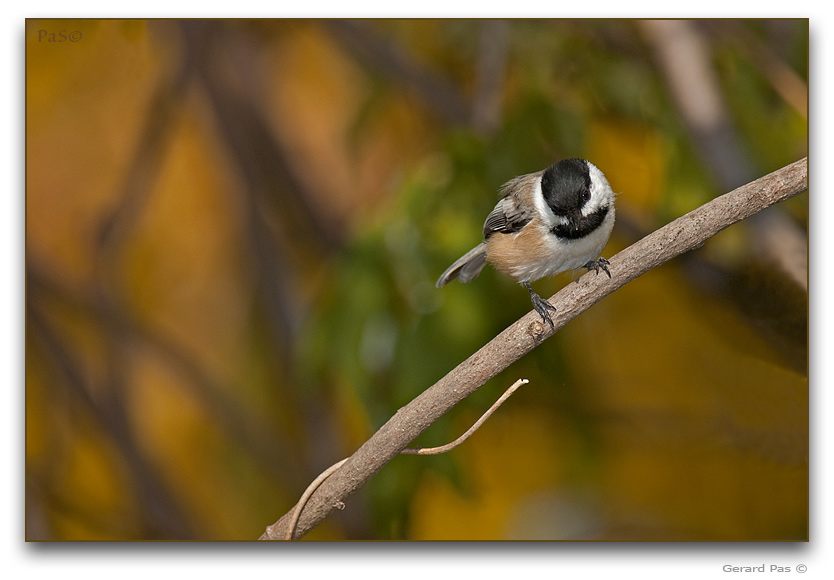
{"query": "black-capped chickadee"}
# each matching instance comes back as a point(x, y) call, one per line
point(547, 222)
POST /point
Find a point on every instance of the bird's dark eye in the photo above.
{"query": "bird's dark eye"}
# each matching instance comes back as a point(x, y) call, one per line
point(586, 195)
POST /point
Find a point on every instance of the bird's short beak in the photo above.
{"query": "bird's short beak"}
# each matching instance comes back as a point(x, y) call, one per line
point(574, 219)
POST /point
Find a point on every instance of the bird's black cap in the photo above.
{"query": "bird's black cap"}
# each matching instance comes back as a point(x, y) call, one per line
point(566, 186)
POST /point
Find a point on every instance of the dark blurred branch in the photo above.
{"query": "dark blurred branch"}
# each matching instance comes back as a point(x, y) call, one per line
point(782, 78)
point(286, 237)
point(252, 436)
point(146, 160)
point(378, 54)
point(685, 233)
point(218, 53)
point(161, 513)
point(273, 191)
point(492, 64)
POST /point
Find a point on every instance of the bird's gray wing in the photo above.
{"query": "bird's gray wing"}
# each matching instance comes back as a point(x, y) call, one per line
point(508, 216)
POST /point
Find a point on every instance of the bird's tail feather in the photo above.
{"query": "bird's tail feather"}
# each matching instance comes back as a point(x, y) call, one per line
point(466, 267)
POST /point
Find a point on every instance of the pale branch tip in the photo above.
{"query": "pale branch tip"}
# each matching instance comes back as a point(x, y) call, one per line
point(471, 430)
point(681, 235)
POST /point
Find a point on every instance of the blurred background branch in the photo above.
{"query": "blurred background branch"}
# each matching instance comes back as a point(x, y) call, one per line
point(682, 48)
point(389, 59)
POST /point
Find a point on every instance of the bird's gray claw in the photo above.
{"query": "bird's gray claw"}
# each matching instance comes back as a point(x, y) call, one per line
point(542, 306)
point(597, 265)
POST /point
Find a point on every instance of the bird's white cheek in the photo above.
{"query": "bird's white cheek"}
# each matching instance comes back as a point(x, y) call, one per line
point(543, 210)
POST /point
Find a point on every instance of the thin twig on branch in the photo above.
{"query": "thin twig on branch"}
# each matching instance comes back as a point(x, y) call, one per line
point(685, 233)
point(299, 507)
point(475, 426)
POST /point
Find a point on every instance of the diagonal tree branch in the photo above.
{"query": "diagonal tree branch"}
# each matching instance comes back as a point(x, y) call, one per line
point(685, 233)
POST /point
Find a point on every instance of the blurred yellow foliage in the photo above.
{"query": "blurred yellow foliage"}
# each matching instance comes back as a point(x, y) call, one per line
point(86, 103)
point(518, 454)
point(634, 158)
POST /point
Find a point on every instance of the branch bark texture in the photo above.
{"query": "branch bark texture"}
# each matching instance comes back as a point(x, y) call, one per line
point(685, 233)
